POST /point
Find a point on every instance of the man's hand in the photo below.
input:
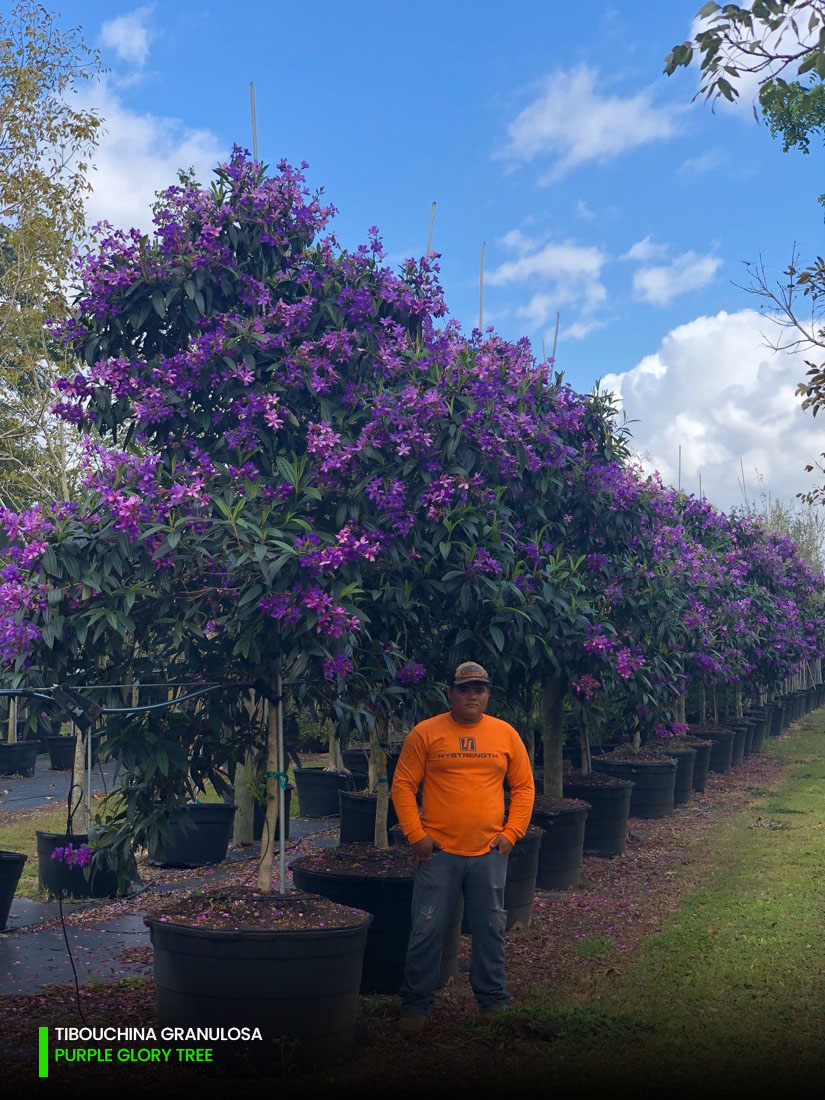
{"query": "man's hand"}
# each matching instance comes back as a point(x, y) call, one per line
point(423, 849)
point(503, 844)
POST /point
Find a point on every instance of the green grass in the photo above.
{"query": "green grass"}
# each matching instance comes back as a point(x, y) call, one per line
point(17, 834)
point(594, 945)
point(734, 985)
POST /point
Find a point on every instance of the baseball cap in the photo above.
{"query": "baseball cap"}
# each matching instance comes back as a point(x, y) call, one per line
point(469, 672)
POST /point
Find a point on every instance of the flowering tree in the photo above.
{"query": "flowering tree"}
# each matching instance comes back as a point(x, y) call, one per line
point(297, 472)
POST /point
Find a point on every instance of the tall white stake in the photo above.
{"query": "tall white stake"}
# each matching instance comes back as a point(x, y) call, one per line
point(254, 122)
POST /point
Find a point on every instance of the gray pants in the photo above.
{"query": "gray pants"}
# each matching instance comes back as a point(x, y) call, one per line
point(438, 882)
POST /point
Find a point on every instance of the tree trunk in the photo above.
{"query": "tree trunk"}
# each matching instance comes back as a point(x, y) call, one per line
point(529, 733)
point(264, 882)
point(335, 762)
point(78, 806)
point(245, 783)
point(584, 749)
point(379, 736)
point(245, 775)
point(552, 699)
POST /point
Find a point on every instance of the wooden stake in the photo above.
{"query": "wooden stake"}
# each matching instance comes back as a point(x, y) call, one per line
point(481, 290)
point(429, 235)
point(556, 336)
point(254, 122)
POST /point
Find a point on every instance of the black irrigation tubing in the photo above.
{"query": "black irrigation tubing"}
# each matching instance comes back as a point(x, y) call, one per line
point(30, 693)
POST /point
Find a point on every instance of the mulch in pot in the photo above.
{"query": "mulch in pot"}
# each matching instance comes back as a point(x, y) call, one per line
point(244, 909)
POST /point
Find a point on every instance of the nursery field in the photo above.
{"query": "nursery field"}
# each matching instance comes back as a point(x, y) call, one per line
point(697, 956)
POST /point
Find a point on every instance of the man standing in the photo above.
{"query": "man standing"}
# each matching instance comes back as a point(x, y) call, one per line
point(460, 840)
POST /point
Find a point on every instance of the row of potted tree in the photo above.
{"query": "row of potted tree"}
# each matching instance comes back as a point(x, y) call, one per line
point(304, 482)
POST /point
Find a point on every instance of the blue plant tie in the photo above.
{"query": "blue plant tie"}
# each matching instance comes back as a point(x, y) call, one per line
point(282, 777)
point(383, 779)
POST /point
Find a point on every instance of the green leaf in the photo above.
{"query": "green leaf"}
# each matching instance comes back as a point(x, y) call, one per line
point(159, 302)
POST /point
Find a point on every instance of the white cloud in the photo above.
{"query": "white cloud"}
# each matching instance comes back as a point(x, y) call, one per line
point(584, 211)
point(128, 35)
point(704, 162)
point(662, 283)
point(140, 154)
point(579, 330)
point(568, 273)
point(645, 250)
point(516, 241)
point(573, 122)
point(714, 388)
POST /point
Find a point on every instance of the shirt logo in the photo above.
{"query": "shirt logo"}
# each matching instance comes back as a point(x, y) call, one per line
point(467, 744)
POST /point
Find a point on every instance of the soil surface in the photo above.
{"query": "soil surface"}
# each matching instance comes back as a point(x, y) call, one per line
point(548, 805)
point(245, 910)
point(360, 859)
point(592, 779)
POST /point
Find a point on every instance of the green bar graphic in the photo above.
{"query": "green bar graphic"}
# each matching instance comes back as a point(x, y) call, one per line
point(43, 1052)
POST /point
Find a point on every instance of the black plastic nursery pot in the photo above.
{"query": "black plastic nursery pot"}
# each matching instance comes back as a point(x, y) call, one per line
point(759, 720)
point(777, 719)
point(683, 784)
point(61, 752)
point(522, 873)
point(259, 816)
point(299, 987)
point(318, 791)
point(11, 868)
point(64, 881)
point(358, 810)
point(699, 778)
point(653, 784)
point(389, 900)
point(203, 843)
point(721, 750)
point(605, 828)
point(562, 845)
point(19, 758)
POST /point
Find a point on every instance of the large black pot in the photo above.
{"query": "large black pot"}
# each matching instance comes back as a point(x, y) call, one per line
point(204, 842)
point(699, 778)
point(520, 884)
point(18, 759)
point(300, 988)
point(777, 718)
point(390, 902)
point(11, 868)
point(562, 846)
point(358, 809)
point(605, 828)
point(318, 791)
point(685, 763)
point(737, 755)
point(61, 753)
point(259, 816)
point(721, 750)
point(64, 881)
point(357, 761)
point(759, 720)
point(653, 784)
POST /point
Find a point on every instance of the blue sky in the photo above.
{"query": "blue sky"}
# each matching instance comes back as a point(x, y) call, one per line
point(546, 130)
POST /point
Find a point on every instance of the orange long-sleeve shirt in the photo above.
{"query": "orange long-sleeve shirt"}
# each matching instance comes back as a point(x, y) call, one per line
point(463, 768)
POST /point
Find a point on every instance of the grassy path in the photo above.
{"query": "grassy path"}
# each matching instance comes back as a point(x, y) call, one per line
point(733, 986)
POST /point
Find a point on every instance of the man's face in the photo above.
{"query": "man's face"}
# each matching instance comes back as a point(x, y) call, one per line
point(468, 701)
